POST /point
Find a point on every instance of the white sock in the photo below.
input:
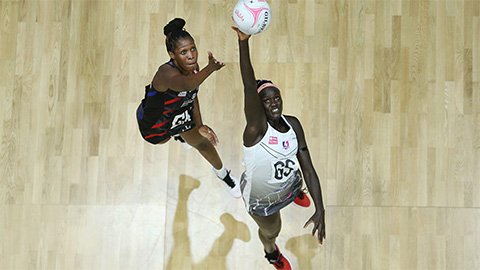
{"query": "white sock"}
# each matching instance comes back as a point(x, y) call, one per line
point(220, 173)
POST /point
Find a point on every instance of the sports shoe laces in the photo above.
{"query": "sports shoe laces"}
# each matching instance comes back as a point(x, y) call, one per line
point(279, 263)
point(228, 180)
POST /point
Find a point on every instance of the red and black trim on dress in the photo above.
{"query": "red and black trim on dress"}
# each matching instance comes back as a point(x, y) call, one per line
point(164, 114)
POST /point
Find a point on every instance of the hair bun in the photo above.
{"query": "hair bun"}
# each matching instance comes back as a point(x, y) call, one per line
point(173, 25)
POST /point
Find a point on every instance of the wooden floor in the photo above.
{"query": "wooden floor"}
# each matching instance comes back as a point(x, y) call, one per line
point(388, 93)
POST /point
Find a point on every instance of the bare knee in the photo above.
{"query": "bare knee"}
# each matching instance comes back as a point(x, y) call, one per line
point(201, 145)
point(269, 234)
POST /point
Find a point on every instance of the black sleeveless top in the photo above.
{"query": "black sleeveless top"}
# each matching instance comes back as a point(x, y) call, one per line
point(164, 105)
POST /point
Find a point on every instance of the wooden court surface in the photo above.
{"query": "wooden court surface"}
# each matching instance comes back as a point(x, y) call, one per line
point(388, 93)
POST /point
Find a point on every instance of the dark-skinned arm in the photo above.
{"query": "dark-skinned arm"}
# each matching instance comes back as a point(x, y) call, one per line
point(204, 130)
point(253, 109)
point(168, 77)
point(311, 180)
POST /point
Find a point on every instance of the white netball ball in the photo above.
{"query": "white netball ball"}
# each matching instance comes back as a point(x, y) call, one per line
point(252, 16)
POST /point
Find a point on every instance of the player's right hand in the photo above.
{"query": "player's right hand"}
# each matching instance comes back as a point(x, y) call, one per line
point(241, 36)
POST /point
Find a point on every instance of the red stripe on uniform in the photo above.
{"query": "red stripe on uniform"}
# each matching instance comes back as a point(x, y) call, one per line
point(155, 135)
point(173, 100)
point(159, 125)
point(168, 111)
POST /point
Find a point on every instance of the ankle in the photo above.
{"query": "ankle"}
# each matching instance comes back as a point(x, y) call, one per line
point(221, 173)
point(272, 256)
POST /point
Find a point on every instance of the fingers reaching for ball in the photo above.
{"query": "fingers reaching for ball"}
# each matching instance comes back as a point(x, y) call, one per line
point(241, 35)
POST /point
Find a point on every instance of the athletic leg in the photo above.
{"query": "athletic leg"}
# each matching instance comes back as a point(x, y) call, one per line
point(208, 151)
point(268, 229)
point(204, 146)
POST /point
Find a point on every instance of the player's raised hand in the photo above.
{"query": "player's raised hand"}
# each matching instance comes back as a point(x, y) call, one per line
point(241, 35)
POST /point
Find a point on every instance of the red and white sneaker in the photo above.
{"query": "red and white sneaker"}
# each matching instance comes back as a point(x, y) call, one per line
point(280, 262)
point(302, 200)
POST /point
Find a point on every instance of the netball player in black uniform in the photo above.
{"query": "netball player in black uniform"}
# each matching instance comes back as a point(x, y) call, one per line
point(170, 107)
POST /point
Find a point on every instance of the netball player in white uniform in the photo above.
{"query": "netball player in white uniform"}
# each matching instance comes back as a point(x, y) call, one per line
point(274, 152)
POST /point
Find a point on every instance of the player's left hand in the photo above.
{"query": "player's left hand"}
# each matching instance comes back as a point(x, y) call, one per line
point(318, 220)
point(208, 133)
point(214, 63)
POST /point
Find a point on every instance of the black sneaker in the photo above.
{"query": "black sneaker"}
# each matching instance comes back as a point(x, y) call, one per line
point(231, 184)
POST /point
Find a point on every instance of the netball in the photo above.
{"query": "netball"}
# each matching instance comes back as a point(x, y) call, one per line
point(252, 16)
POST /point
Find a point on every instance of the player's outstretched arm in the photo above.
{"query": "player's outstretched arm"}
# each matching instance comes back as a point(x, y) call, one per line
point(168, 77)
point(253, 108)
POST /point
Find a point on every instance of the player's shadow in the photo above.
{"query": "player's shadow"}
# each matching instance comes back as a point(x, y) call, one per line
point(181, 257)
point(303, 247)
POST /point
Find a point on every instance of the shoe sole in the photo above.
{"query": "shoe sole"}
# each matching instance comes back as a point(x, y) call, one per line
point(234, 196)
point(301, 206)
point(286, 258)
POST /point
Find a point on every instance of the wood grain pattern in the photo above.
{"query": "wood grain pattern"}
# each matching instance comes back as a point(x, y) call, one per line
point(388, 93)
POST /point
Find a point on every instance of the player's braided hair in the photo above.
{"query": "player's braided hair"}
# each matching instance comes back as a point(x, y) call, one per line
point(174, 31)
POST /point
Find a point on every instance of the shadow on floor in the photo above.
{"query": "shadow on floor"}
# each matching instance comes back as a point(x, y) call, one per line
point(303, 247)
point(181, 257)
